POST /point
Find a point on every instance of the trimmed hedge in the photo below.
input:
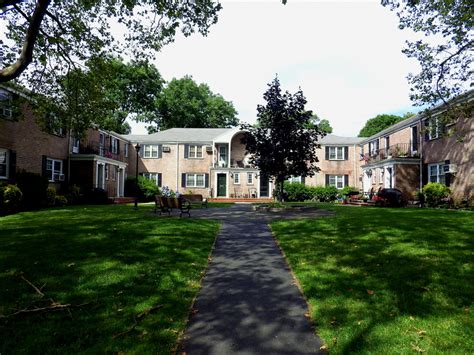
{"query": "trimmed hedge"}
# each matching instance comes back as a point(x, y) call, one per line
point(299, 192)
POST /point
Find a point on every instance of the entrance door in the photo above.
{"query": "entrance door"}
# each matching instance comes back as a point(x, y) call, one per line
point(366, 182)
point(221, 185)
point(264, 190)
point(389, 177)
point(100, 176)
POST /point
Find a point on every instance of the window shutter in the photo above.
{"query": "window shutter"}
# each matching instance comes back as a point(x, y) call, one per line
point(110, 143)
point(160, 151)
point(327, 153)
point(12, 164)
point(303, 180)
point(118, 146)
point(43, 165)
point(425, 176)
point(327, 180)
point(206, 180)
point(186, 151)
point(447, 177)
point(183, 180)
point(159, 180)
point(346, 153)
point(427, 130)
point(346, 180)
point(64, 171)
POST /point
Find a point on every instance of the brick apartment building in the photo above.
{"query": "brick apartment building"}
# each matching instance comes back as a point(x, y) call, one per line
point(213, 162)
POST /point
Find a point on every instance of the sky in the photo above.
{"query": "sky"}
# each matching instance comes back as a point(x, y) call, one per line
point(344, 55)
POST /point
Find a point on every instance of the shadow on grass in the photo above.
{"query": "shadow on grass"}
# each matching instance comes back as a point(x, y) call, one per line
point(118, 261)
point(386, 279)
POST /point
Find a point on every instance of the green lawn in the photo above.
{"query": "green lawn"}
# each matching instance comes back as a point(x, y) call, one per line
point(386, 280)
point(129, 276)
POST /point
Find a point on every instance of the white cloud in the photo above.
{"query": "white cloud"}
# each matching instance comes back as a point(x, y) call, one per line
point(345, 55)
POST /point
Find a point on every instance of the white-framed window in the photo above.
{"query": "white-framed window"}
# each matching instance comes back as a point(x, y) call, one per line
point(374, 147)
point(126, 150)
point(155, 177)
point(3, 163)
point(436, 173)
point(195, 180)
point(336, 153)
point(114, 145)
point(54, 168)
point(222, 156)
point(294, 179)
point(5, 104)
point(113, 170)
point(101, 144)
point(195, 151)
point(106, 171)
point(150, 150)
point(249, 178)
point(336, 180)
point(237, 178)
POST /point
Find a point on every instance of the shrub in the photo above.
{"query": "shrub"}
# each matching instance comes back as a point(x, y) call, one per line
point(348, 190)
point(167, 192)
point(50, 196)
point(10, 199)
point(74, 195)
point(325, 193)
point(97, 196)
point(147, 189)
point(34, 188)
point(296, 191)
point(435, 194)
point(60, 200)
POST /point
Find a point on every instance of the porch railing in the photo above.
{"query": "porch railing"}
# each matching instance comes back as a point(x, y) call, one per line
point(400, 150)
point(97, 149)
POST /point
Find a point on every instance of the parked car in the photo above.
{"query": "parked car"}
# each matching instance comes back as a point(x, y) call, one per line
point(390, 198)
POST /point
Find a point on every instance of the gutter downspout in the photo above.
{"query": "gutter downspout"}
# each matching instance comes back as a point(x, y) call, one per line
point(421, 154)
point(354, 166)
point(177, 166)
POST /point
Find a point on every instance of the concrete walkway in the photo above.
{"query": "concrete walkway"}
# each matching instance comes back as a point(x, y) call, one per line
point(248, 303)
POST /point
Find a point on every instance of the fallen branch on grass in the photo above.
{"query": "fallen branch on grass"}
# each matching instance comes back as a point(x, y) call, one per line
point(38, 290)
point(139, 316)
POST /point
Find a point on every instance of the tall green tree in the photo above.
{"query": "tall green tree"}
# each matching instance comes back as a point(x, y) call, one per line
point(184, 103)
point(323, 124)
point(105, 93)
point(283, 144)
point(444, 53)
point(379, 123)
point(52, 37)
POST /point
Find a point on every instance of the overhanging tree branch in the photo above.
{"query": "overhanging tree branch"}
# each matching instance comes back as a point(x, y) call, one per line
point(26, 56)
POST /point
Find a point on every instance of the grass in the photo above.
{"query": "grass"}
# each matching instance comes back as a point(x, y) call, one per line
point(116, 262)
point(386, 280)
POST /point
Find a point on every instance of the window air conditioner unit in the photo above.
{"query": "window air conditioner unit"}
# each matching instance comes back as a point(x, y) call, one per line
point(166, 149)
point(450, 168)
point(208, 148)
point(61, 177)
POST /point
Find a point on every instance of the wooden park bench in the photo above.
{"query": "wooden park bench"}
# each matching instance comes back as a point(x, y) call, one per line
point(196, 200)
point(167, 204)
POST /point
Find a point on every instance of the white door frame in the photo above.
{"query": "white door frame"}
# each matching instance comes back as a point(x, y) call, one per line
point(386, 182)
point(226, 184)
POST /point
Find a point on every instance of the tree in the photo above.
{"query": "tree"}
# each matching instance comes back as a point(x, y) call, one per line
point(283, 144)
point(105, 93)
point(57, 36)
point(184, 103)
point(446, 67)
point(378, 123)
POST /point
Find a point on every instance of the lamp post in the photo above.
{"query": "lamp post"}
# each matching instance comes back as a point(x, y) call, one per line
point(137, 148)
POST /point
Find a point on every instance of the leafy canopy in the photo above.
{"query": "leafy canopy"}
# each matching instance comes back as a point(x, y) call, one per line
point(444, 53)
point(52, 37)
point(323, 124)
point(104, 93)
point(184, 103)
point(379, 123)
point(283, 144)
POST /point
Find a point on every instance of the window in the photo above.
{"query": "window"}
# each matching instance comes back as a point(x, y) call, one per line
point(126, 150)
point(414, 138)
point(222, 156)
point(295, 179)
point(195, 151)
point(3, 163)
point(195, 180)
point(387, 142)
point(101, 144)
point(54, 169)
point(106, 171)
point(250, 178)
point(336, 153)
point(114, 145)
point(76, 143)
point(374, 147)
point(155, 177)
point(339, 181)
point(435, 128)
point(436, 173)
point(236, 178)
point(5, 104)
point(113, 172)
point(151, 150)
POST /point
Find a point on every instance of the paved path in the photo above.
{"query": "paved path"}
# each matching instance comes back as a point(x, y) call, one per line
point(248, 302)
